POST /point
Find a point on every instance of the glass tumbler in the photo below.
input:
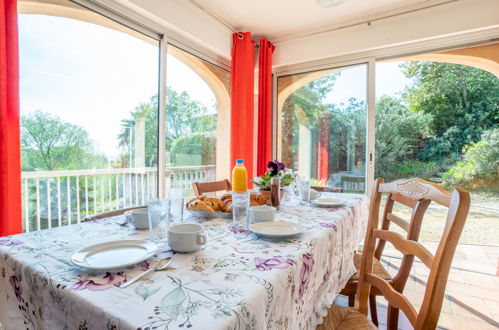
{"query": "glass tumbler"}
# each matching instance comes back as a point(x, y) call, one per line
point(158, 212)
point(304, 189)
point(240, 204)
point(176, 196)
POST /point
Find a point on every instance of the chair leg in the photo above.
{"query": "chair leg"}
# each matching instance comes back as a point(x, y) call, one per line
point(392, 319)
point(372, 308)
point(351, 300)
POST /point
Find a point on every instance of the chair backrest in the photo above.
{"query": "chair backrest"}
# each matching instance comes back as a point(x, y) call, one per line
point(412, 227)
point(206, 187)
point(458, 206)
point(108, 214)
point(354, 184)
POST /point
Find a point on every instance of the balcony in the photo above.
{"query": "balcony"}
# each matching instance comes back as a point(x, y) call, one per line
point(57, 198)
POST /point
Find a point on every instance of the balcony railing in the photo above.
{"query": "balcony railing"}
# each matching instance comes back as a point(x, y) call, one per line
point(57, 198)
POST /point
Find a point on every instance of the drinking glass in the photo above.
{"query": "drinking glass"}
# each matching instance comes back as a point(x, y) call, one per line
point(176, 196)
point(304, 189)
point(158, 212)
point(240, 204)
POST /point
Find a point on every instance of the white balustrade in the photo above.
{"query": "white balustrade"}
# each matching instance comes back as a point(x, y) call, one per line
point(57, 198)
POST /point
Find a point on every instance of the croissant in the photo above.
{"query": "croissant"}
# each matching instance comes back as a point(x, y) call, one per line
point(227, 206)
point(200, 205)
point(226, 196)
point(214, 203)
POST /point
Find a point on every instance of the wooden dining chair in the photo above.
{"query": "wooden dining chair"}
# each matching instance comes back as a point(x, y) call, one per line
point(108, 214)
point(412, 229)
point(439, 264)
point(206, 187)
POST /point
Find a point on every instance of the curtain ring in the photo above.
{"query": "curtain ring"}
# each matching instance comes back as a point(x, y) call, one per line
point(240, 36)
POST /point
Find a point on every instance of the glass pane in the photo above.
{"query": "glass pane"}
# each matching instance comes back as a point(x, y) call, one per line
point(197, 97)
point(323, 126)
point(438, 121)
point(88, 115)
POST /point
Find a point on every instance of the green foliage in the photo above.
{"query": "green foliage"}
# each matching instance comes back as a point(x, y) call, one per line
point(184, 118)
point(480, 160)
point(463, 102)
point(399, 132)
point(195, 149)
point(49, 144)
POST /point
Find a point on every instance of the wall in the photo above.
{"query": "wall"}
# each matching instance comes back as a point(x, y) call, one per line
point(187, 21)
point(445, 21)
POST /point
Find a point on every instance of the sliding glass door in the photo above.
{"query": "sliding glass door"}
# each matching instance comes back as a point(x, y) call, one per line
point(322, 125)
point(89, 114)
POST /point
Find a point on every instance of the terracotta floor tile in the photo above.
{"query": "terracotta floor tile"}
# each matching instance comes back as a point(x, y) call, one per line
point(473, 291)
point(456, 322)
point(470, 307)
point(481, 280)
point(493, 307)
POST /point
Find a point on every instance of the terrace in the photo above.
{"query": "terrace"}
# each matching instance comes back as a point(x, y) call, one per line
point(121, 101)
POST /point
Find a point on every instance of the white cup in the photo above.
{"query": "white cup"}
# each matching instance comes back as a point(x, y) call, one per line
point(186, 237)
point(140, 218)
point(314, 194)
point(261, 213)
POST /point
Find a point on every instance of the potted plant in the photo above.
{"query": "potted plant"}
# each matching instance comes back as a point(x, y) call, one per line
point(274, 168)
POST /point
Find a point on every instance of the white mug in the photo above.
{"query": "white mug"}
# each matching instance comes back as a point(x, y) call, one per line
point(186, 237)
point(140, 218)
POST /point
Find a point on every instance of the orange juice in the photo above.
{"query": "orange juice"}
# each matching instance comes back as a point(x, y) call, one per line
point(239, 177)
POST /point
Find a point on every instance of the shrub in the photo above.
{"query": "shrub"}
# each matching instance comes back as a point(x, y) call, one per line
point(480, 160)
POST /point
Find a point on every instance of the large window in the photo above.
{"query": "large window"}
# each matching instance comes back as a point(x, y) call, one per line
point(323, 126)
point(196, 111)
point(90, 109)
point(88, 91)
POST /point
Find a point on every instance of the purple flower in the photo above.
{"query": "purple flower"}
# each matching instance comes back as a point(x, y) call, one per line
point(306, 269)
point(10, 242)
point(109, 280)
point(15, 281)
point(235, 230)
point(326, 276)
point(328, 225)
point(277, 262)
point(275, 166)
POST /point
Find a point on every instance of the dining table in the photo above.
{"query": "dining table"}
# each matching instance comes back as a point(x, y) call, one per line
point(239, 280)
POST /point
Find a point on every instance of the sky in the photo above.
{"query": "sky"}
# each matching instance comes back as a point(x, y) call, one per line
point(94, 77)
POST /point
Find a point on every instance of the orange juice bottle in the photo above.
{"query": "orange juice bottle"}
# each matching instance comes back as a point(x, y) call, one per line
point(239, 177)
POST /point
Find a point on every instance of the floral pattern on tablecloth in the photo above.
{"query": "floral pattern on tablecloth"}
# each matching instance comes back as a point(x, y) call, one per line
point(239, 281)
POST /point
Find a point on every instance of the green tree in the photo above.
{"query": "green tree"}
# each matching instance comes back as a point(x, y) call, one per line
point(184, 117)
point(48, 143)
point(399, 133)
point(463, 102)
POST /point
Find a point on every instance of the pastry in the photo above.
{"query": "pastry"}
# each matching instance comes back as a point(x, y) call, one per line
point(214, 203)
point(225, 197)
point(200, 205)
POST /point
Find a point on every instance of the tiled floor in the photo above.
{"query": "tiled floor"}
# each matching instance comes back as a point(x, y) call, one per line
point(472, 298)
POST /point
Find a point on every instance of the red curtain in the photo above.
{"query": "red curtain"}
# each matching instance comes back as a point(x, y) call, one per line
point(242, 100)
point(264, 153)
point(10, 158)
point(323, 147)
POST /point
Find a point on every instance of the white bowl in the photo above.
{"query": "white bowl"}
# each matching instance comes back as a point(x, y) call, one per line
point(140, 218)
point(261, 213)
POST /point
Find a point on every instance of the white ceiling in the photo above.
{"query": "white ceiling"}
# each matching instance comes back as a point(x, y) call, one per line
point(286, 19)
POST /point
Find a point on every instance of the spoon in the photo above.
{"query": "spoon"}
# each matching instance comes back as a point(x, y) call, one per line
point(138, 277)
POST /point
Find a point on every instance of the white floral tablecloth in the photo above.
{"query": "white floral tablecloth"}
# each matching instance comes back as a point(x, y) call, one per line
point(240, 281)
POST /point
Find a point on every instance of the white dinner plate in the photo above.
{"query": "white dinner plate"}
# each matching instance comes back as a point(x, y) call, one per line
point(114, 254)
point(328, 202)
point(277, 229)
